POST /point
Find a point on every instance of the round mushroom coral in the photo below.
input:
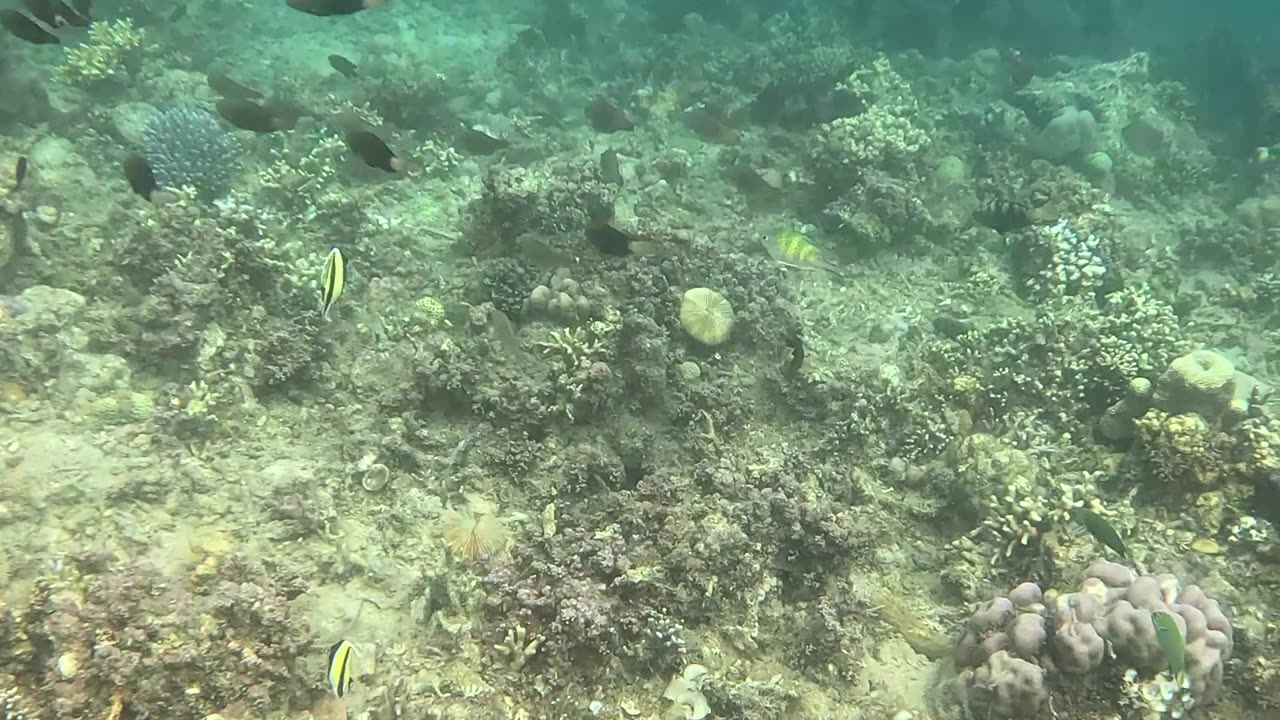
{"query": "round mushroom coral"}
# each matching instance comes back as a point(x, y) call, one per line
point(706, 315)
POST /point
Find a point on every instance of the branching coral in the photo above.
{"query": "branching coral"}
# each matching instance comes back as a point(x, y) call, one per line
point(298, 177)
point(580, 364)
point(186, 147)
point(1018, 500)
point(880, 134)
point(111, 44)
point(1060, 260)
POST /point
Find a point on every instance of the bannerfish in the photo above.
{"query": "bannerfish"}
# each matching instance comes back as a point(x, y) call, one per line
point(793, 249)
point(24, 28)
point(1171, 642)
point(248, 115)
point(342, 65)
point(228, 88)
point(332, 279)
point(373, 152)
point(340, 669)
point(1101, 530)
point(326, 8)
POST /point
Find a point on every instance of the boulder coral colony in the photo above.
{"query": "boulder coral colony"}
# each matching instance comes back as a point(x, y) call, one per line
point(575, 441)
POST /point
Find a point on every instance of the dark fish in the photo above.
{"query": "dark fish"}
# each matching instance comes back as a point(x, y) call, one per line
point(248, 115)
point(751, 183)
point(605, 116)
point(795, 344)
point(478, 141)
point(538, 250)
point(342, 65)
point(709, 126)
point(1101, 530)
point(19, 173)
point(373, 152)
point(43, 10)
point(286, 112)
point(612, 241)
point(326, 8)
point(609, 169)
point(141, 179)
point(24, 28)
point(1003, 215)
point(228, 88)
point(68, 16)
point(1019, 69)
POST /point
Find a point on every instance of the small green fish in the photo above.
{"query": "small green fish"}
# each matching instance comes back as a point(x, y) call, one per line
point(332, 279)
point(1101, 530)
point(340, 675)
point(1171, 641)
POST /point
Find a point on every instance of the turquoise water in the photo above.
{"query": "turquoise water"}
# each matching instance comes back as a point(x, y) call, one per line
point(897, 361)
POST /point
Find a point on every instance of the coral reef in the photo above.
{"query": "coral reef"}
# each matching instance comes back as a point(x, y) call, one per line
point(125, 636)
point(573, 442)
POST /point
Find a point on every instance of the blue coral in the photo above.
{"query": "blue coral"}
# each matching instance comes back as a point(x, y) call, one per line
point(186, 146)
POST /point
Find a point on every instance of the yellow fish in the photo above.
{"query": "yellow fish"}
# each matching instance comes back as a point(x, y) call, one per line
point(793, 249)
point(340, 667)
point(332, 278)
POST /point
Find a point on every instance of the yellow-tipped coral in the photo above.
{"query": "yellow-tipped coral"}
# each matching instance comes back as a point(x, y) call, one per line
point(108, 48)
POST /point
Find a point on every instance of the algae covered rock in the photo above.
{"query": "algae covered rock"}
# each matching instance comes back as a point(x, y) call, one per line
point(1070, 133)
